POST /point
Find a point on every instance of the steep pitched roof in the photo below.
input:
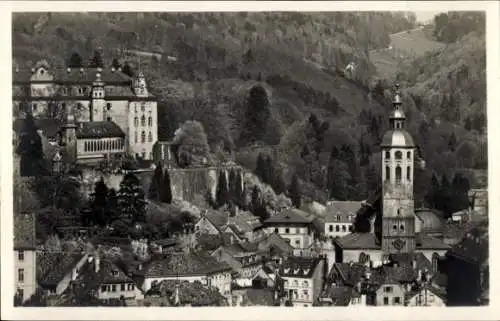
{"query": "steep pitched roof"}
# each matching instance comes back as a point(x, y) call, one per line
point(349, 273)
point(289, 216)
point(299, 267)
point(181, 264)
point(24, 231)
point(340, 295)
point(342, 209)
point(276, 242)
point(52, 267)
point(99, 129)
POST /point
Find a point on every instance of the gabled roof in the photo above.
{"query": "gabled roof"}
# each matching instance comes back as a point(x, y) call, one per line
point(409, 259)
point(99, 129)
point(289, 216)
point(349, 273)
point(342, 209)
point(340, 295)
point(193, 293)
point(299, 267)
point(52, 267)
point(275, 242)
point(24, 231)
point(185, 264)
point(216, 218)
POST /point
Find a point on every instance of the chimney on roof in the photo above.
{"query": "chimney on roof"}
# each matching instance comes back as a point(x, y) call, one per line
point(68, 70)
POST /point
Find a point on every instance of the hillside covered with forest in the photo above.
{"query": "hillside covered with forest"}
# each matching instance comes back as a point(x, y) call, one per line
point(279, 94)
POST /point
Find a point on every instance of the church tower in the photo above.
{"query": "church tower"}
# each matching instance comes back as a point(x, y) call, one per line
point(398, 151)
point(98, 99)
point(140, 88)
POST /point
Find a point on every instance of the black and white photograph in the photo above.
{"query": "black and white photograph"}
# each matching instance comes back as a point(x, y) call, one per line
point(271, 158)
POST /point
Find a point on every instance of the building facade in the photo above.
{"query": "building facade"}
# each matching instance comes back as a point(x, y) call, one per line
point(25, 282)
point(91, 95)
point(340, 217)
point(303, 279)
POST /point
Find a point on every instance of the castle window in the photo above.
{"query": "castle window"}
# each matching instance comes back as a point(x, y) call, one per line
point(143, 137)
point(150, 137)
point(135, 137)
point(34, 107)
point(330, 228)
point(287, 230)
point(399, 155)
point(399, 211)
point(408, 173)
point(150, 121)
point(398, 174)
point(108, 118)
point(42, 72)
point(402, 227)
point(408, 155)
point(351, 228)
point(143, 155)
point(387, 173)
point(343, 228)
point(387, 155)
point(64, 91)
point(79, 106)
point(337, 228)
point(143, 106)
point(394, 228)
point(136, 121)
point(108, 106)
point(143, 121)
point(80, 91)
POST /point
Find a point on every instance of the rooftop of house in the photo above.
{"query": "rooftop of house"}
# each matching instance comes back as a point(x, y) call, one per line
point(253, 297)
point(426, 287)
point(275, 242)
point(217, 218)
point(52, 267)
point(342, 211)
point(185, 264)
point(74, 75)
point(289, 216)
point(299, 267)
point(474, 245)
point(24, 231)
point(99, 129)
point(416, 260)
point(350, 274)
point(190, 293)
point(369, 241)
point(340, 295)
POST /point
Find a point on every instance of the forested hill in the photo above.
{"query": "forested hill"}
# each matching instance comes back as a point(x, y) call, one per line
point(278, 76)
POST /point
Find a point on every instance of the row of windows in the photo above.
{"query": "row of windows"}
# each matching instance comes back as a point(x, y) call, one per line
point(143, 107)
point(401, 228)
point(397, 155)
point(143, 121)
point(398, 173)
point(338, 228)
point(295, 284)
point(94, 146)
point(143, 137)
point(395, 300)
point(113, 287)
point(349, 217)
point(297, 230)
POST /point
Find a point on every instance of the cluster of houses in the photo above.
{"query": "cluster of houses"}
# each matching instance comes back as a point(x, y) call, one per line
point(378, 252)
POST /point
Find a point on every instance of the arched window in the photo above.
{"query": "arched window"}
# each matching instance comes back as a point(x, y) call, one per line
point(395, 228)
point(398, 154)
point(150, 137)
point(408, 173)
point(337, 228)
point(408, 155)
point(136, 121)
point(143, 121)
point(387, 173)
point(398, 173)
point(108, 106)
point(402, 227)
point(150, 121)
point(387, 155)
point(143, 137)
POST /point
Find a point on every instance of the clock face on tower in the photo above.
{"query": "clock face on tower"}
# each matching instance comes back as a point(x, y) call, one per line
point(398, 244)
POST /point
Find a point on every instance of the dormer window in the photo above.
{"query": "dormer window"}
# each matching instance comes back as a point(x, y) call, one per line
point(286, 270)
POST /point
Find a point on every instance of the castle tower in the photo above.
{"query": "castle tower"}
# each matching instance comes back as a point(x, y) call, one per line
point(68, 139)
point(98, 102)
point(398, 151)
